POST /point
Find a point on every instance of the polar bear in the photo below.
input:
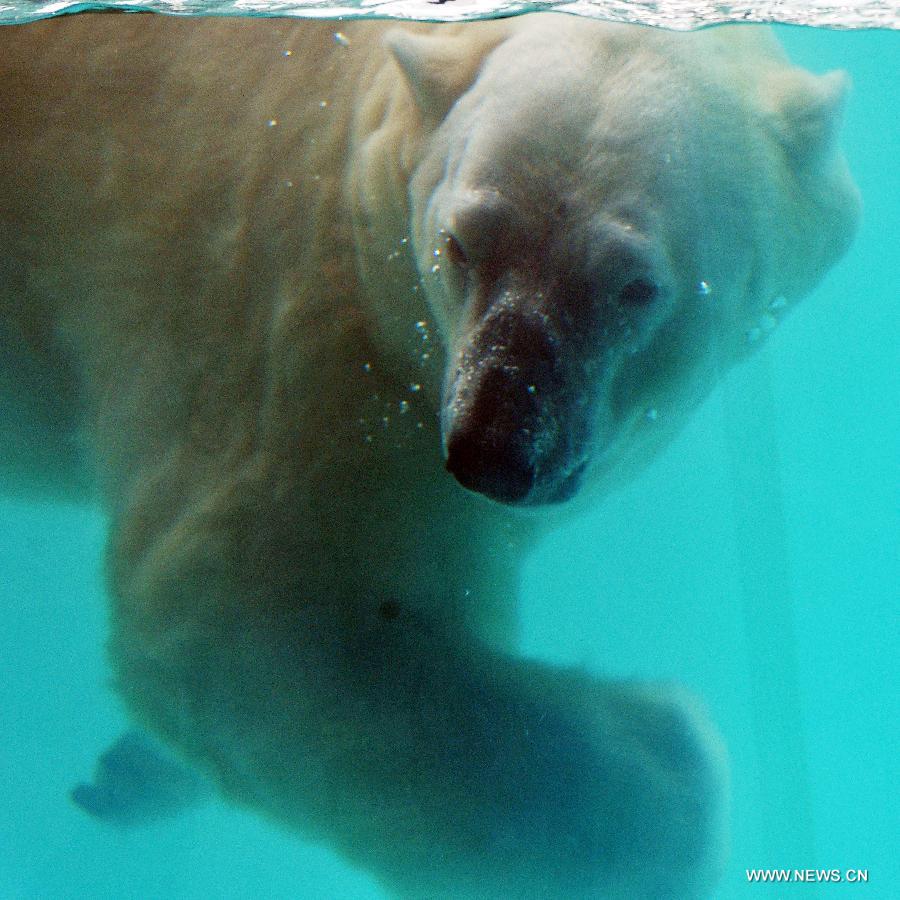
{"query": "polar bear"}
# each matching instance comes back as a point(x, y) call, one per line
point(332, 328)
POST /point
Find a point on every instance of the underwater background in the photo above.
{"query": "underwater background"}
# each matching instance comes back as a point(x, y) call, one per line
point(791, 469)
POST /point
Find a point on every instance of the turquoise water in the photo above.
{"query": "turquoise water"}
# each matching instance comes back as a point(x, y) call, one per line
point(799, 673)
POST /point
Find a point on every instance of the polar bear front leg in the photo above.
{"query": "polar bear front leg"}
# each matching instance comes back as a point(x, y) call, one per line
point(444, 767)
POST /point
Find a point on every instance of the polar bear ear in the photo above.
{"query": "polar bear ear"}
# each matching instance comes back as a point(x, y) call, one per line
point(437, 69)
point(808, 110)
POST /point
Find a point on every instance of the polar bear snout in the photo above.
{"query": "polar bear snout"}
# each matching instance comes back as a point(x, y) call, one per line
point(514, 419)
point(491, 426)
point(500, 469)
point(506, 465)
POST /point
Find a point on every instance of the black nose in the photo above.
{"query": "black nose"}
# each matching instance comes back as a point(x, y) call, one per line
point(501, 471)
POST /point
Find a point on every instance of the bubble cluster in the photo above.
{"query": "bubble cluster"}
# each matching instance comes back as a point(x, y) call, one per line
point(755, 333)
point(397, 252)
point(768, 322)
point(384, 420)
point(425, 340)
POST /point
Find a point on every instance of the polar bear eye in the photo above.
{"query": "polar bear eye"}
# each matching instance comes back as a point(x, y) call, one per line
point(455, 252)
point(639, 292)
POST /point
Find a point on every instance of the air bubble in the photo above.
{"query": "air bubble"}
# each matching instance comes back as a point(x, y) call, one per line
point(287, 52)
point(272, 123)
point(435, 268)
point(323, 104)
point(704, 289)
point(341, 38)
point(532, 389)
point(404, 406)
point(415, 387)
point(367, 367)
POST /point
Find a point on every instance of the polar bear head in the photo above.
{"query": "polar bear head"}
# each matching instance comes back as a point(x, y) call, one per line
point(604, 219)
